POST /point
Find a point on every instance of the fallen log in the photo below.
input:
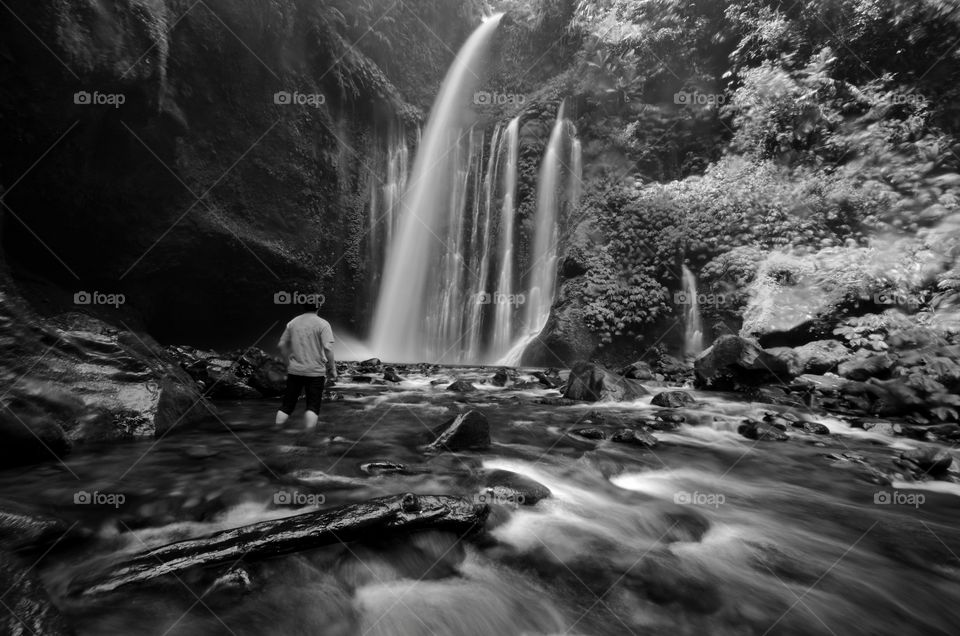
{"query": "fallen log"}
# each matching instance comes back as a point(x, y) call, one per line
point(370, 519)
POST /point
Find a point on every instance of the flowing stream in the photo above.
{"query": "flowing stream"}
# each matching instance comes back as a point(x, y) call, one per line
point(709, 533)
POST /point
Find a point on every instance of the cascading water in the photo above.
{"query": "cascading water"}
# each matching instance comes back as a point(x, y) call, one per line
point(418, 280)
point(692, 322)
point(385, 199)
point(542, 264)
point(504, 312)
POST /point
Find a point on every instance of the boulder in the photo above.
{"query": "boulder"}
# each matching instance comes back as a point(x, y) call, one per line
point(269, 378)
point(821, 356)
point(551, 381)
point(385, 468)
point(24, 529)
point(502, 486)
point(932, 461)
point(462, 386)
point(639, 370)
point(467, 431)
point(815, 428)
point(500, 378)
point(372, 365)
point(752, 429)
point(733, 362)
point(634, 437)
point(390, 375)
point(863, 368)
point(672, 399)
point(592, 383)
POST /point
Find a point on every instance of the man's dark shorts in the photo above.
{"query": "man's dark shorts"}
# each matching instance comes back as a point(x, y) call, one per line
point(296, 384)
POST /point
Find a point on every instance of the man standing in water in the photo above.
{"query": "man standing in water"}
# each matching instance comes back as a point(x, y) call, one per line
point(307, 348)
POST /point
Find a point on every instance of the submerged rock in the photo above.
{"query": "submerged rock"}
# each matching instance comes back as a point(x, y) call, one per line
point(634, 437)
point(503, 486)
point(932, 461)
point(751, 429)
point(467, 431)
point(672, 399)
point(811, 427)
point(386, 468)
point(390, 375)
point(462, 386)
point(500, 378)
point(590, 433)
point(592, 383)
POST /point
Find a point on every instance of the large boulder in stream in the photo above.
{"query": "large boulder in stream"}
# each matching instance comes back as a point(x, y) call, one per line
point(672, 399)
point(734, 362)
point(74, 379)
point(821, 356)
point(931, 461)
point(467, 431)
point(592, 383)
point(762, 431)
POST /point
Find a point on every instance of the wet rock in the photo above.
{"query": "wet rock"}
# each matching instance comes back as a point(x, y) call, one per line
point(390, 375)
point(879, 426)
point(816, 428)
point(634, 437)
point(672, 399)
point(664, 579)
point(687, 525)
point(774, 395)
point(592, 383)
point(505, 486)
point(932, 461)
point(821, 356)
point(235, 582)
point(638, 371)
point(500, 378)
point(27, 606)
point(733, 362)
point(462, 386)
point(549, 381)
point(362, 379)
point(466, 431)
point(372, 365)
point(752, 429)
point(385, 468)
point(666, 423)
point(590, 433)
point(860, 369)
point(548, 401)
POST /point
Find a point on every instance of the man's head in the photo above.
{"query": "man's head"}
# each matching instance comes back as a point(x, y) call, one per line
point(308, 302)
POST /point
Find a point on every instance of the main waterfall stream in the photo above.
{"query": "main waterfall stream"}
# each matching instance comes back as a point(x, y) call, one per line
point(709, 533)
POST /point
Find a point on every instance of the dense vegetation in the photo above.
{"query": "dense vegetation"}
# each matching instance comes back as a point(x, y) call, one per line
point(749, 136)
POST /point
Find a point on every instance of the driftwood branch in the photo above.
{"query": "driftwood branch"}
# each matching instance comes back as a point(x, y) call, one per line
point(375, 518)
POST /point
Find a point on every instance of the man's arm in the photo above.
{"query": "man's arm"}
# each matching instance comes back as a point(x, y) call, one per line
point(285, 345)
point(326, 341)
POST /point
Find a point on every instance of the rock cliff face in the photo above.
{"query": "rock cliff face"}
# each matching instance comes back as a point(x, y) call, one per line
point(201, 157)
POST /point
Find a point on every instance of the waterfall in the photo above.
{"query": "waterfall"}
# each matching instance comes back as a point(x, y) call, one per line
point(420, 293)
point(542, 264)
point(692, 323)
point(504, 312)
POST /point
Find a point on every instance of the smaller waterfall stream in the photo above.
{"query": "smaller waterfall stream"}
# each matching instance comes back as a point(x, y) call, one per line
point(692, 322)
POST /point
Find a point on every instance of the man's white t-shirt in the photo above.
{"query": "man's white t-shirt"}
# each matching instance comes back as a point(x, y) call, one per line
point(306, 336)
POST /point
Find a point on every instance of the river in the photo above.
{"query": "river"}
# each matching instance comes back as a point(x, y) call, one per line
point(708, 533)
